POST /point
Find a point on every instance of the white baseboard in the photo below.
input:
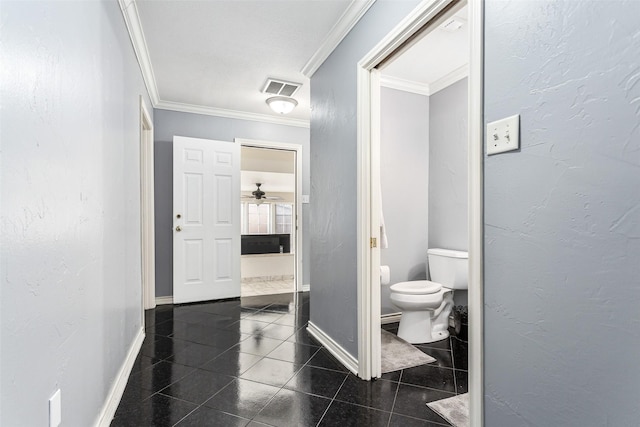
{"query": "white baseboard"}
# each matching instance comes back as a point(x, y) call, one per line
point(390, 318)
point(164, 300)
point(306, 288)
point(350, 362)
point(117, 388)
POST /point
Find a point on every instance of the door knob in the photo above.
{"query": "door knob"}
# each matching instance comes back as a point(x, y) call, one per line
point(178, 228)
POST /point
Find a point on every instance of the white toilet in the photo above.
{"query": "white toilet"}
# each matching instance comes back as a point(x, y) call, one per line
point(425, 304)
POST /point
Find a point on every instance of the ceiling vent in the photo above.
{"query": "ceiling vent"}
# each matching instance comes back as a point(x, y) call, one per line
point(280, 87)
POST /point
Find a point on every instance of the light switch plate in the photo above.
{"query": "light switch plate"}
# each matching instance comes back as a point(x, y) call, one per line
point(305, 198)
point(503, 135)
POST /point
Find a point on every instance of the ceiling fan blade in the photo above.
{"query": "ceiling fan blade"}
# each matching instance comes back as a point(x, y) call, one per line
point(273, 198)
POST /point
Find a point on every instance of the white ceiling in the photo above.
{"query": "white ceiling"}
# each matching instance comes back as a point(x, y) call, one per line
point(214, 56)
point(272, 182)
point(274, 169)
point(267, 160)
point(438, 59)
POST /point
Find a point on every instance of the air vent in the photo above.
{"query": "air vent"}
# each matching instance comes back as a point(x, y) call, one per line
point(280, 87)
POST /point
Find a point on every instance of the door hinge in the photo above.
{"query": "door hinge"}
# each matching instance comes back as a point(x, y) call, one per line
point(374, 242)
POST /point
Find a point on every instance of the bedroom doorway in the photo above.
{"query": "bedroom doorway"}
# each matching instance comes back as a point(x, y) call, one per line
point(270, 218)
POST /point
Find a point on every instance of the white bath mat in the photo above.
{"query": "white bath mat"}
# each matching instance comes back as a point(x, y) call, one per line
point(453, 409)
point(398, 354)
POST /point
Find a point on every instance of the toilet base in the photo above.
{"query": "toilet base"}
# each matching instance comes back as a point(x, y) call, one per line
point(415, 328)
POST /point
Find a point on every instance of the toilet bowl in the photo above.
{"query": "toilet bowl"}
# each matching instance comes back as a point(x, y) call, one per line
point(426, 304)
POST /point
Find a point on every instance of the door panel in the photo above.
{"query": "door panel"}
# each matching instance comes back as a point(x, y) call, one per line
point(206, 182)
point(224, 262)
point(224, 202)
point(193, 255)
point(193, 198)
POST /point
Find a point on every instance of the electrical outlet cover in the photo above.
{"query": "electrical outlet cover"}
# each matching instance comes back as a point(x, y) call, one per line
point(55, 409)
point(503, 135)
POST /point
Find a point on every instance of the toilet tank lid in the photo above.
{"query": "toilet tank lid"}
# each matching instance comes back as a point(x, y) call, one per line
point(448, 253)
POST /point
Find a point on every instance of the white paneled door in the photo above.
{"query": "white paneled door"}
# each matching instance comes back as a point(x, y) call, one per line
point(206, 219)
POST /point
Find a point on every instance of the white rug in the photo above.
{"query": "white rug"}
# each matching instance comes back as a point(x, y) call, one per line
point(453, 409)
point(398, 354)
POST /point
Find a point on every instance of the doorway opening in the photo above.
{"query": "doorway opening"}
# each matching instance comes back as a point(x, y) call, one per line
point(270, 218)
point(421, 24)
point(423, 182)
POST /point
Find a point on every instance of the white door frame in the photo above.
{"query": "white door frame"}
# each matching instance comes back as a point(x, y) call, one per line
point(369, 175)
point(147, 214)
point(299, 279)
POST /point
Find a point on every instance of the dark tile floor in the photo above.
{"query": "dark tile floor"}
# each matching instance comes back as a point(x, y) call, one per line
point(251, 362)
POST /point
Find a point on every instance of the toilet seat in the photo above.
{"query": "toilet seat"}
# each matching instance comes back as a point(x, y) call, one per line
point(416, 287)
point(426, 305)
point(421, 301)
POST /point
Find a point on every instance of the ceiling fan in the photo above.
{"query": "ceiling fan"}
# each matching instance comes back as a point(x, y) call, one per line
point(260, 195)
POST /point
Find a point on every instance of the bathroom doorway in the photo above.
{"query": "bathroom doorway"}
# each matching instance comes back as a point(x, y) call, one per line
point(270, 211)
point(375, 81)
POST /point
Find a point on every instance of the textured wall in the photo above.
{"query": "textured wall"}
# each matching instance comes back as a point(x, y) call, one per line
point(404, 176)
point(333, 168)
point(71, 280)
point(562, 215)
point(448, 165)
point(170, 123)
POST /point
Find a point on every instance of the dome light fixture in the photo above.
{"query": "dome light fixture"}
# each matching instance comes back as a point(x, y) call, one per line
point(282, 104)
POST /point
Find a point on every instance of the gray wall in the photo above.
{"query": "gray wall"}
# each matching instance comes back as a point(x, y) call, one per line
point(448, 163)
point(170, 123)
point(404, 175)
point(562, 216)
point(71, 280)
point(333, 167)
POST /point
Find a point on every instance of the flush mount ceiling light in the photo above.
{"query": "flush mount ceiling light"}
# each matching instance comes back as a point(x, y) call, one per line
point(282, 104)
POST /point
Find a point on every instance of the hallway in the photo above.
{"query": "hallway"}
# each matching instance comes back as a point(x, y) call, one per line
point(250, 361)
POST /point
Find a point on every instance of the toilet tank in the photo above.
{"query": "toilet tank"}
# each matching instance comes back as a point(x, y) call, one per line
point(449, 268)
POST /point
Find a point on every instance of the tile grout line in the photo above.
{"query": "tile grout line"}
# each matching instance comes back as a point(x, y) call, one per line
point(266, 404)
point(283, 386)
point(198, 406)
point(189, 414)
point(190, 343)
point(332, 400)
point(395, 396)
point(409, 416)
point(257, 382)
point(297, 372)
point(453, 363)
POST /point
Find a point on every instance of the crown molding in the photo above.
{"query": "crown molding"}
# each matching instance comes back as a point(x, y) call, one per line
point(449, 79)
point(134, 27)
point(425, 88)
point(231, 114)
point(338, 32)
point(405, 85)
